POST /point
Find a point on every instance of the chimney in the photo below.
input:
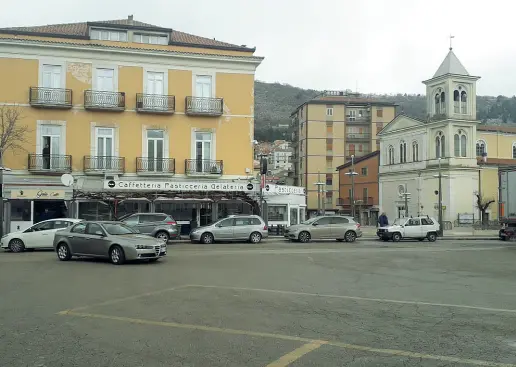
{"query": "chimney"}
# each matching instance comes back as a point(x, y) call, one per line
point(130, 19)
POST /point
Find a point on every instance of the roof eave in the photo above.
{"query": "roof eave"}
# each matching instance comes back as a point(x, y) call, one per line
point(444, 76)
point(130, 26)
point(43, 34)
point(215, 47)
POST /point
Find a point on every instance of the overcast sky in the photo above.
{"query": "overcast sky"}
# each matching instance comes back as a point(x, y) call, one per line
point(381, 46)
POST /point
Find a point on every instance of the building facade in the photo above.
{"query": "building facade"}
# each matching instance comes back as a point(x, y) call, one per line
point(362, 189)
point(326, 132)
point(125, 101)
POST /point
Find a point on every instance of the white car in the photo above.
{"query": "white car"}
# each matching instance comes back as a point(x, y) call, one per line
point(418, 228)
point(40, 235)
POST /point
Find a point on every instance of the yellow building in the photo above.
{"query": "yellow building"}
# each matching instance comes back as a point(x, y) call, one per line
point(498, 146)
point(327, 131)
point(125, 105)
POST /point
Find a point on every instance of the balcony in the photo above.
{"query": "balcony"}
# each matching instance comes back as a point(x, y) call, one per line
point(155, 103)
point(365, 120)
point(358, 137)
point(203, 167)
point(51, 164)
point(356, 153)
point(50, 97)
point(104, 101)
point(367, 201)
point(155, 166)
point(103, 164)
point(202, 106)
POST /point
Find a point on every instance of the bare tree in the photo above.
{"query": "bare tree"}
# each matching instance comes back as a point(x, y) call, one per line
point(483, 204)
point(13, 134)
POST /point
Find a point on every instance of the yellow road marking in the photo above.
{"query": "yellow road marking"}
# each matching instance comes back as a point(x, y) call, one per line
point(296, 354)
point(392, 352)
point(357, 298)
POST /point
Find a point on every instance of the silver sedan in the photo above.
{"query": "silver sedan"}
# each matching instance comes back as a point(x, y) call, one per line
point(104, 239)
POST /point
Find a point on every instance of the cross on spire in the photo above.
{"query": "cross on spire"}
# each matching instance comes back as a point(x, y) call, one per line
point(451, 37)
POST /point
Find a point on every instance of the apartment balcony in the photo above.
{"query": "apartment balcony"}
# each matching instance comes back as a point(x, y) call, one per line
point(104, 101)
point(155, 166)
point(367, 201)
point(203, 167)
point(358, 137)
point(356, 153)
point(49, 163)
point(103, 164)
point(366, 120)
point(50, 97)
point(155, 103)
point(202, 106)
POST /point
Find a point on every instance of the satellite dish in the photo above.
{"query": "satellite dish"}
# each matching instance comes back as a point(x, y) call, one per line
point(67, 179)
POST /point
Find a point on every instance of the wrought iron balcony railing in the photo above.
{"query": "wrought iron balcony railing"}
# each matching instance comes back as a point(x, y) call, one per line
point(51, 163)
point(101, 164)
point(358, 136)
point(155, 103)
point(155, 166)
point(101, 100)
point(203, 167)
point(358, 120)
point(203, 106)
point(50, 97)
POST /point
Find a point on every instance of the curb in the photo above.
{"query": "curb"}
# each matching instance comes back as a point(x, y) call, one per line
point(369, 238)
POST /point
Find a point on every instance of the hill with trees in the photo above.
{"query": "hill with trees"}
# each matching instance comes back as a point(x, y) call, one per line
point(274, 102)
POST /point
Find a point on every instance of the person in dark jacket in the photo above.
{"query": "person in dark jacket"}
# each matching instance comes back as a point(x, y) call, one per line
point(383, 221)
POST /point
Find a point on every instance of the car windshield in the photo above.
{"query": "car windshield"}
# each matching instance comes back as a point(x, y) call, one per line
point(398, 221)
point(118, 229)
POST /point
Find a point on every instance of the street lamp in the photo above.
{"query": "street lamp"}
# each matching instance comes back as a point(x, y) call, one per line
point(352, 173)
point(2, 170)
point(320, 188)
point(440, 176)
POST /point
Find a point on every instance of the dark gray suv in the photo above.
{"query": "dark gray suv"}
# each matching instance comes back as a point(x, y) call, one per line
point(159, 225)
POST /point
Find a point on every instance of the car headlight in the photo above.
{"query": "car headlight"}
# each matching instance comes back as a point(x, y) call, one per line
point(144, 247)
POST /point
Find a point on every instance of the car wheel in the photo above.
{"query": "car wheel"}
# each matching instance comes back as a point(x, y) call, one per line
point(16, 245)
point(350, 236)
point(162, 235)
point(63, 252)
point(255, 237)
point(431, 236)
point(396, 237)
point(207, 238)
point(304, 237)
point(116, 255)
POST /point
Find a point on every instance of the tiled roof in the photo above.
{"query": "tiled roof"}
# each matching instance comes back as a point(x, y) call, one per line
point(359, 159)
point(80, 30)
point(494, 128)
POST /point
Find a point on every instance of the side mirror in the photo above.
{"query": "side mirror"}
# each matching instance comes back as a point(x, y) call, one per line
point(100, 234)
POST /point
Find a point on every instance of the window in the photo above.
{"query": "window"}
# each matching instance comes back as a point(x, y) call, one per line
point(242, 221)
point(94, 228)
point(360, 148)
point(329, 129)
point(105, 81)
point(440, 145)
point(105, 148)
point(79, 228)
point(45, 226)
point(339, 220)
point(391, 154)
point(365, 194)
point(152, 39)
point(352, 115)
point(226, 223)
point(460, 142)
point(426, 221)
point(329, 111)
point(324, 221)
point(277, 212)
point(364, 171)
point(403, 152)
point(329, 179)
point(58, 224)
point(132, 220)
point(50, 141)
point(329, 145)
point(108, 35)
point(481, 148)
point(152, 218)
point(413, 222)
point(379, 112)
point(293, 216)
point(439, 106)
point(203, 86)
point(155, 86)
point(203, 151)
point(155, 151)
point(460, 104)
point(415, 152)
point(329, 163)
point(20, 210)
point(513, 150)
point(94, 210)
point(379, 127)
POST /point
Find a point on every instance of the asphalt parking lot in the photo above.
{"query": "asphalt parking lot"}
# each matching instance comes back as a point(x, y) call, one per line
point(269, 305)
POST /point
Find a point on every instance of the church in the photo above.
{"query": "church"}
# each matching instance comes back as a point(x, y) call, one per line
point(414, 151)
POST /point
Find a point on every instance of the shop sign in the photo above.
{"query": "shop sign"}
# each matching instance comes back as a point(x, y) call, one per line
point(179, 186)
point(284, 190)
point(35, 194)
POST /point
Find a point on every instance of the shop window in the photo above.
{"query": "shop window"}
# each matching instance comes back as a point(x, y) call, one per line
point(293, 216)
point(20, 210)
point(302, 215)
point(277, 213)
point(94, 210)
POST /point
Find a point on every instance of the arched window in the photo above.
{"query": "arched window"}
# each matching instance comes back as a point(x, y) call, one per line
point(437, 104)
point(443, 105)
point(415, 152)
point(481, 148)
point(440, 145)
point(513, 150)
point(463, 102)
point(403, 152)
point(391, 154)
point(456, 101)
point(459, 144)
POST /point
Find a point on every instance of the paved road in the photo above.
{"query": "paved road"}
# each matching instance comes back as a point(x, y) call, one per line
point(275, 304)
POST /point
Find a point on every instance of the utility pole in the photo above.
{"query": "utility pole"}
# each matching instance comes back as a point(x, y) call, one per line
point(352, 173)
point(439, 176)
point(419, 193)
point(319, 185)
point(406, 195)
point(263, 176)
point(2, 219)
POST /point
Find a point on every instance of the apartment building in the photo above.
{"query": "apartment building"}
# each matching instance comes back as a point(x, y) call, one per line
point(123, 106)
point(327, 131)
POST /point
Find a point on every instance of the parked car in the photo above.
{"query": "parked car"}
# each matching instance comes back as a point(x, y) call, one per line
point(38, 236)
point(250, 228)
point(417, 227)
point(507, 232)
point(105, 239)
point(337, 227)
point(159, 225)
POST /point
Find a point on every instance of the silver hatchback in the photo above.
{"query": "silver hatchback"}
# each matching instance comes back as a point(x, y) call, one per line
point(250, 228)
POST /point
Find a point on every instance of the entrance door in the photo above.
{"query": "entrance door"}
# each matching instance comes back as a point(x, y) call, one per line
point(155, 142)
point(51, 143)
point(203, 151)
point(155, 91)
point(51, 79)
point(105, 149)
